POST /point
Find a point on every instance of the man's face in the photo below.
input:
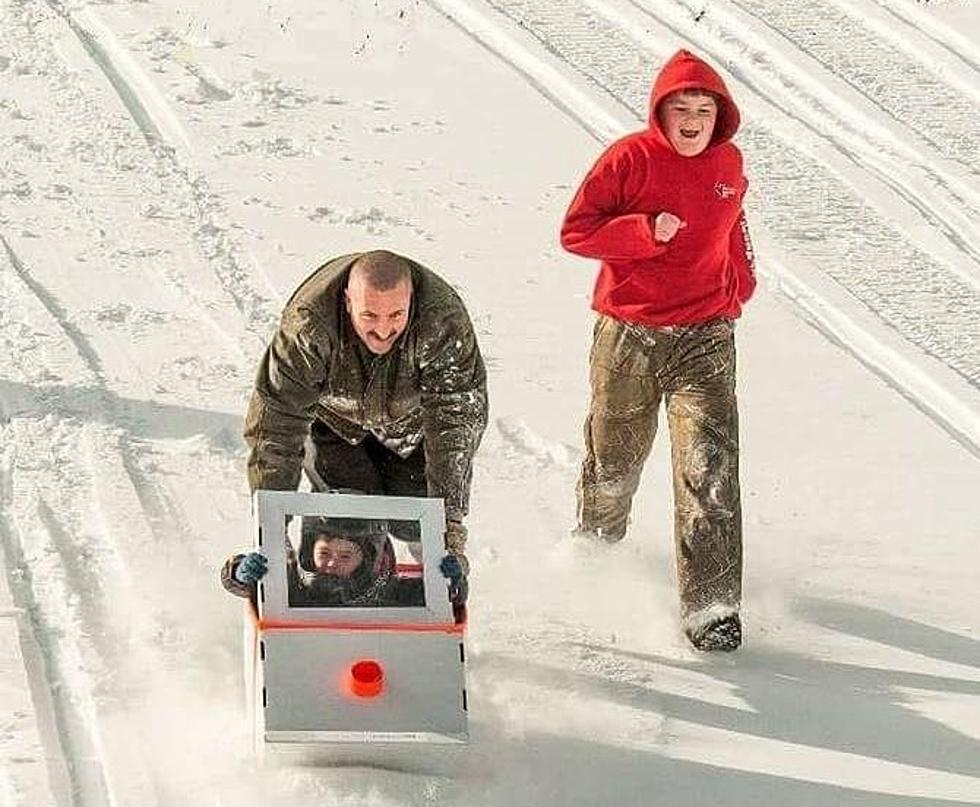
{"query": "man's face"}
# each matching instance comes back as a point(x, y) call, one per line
point(336, 556)
point(378, 317)
point(688, 121)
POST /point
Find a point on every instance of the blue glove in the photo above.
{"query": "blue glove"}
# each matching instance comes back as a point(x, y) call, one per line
point(251, 568)
point(452, 569)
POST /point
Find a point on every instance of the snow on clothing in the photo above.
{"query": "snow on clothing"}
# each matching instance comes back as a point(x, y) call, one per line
point(427, 393)
point(666, 332)
point(633, 368)
point(706, 271)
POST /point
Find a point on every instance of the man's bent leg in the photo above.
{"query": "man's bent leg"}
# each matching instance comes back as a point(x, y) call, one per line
point(402, 476)
point(342, 465)
point(703, 417)
point(369, 467)
point(620, 425)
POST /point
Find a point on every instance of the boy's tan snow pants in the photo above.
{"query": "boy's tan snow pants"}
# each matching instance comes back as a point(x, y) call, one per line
point(692, 368)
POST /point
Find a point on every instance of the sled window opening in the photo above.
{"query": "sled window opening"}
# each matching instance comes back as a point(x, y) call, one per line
point(359, 562)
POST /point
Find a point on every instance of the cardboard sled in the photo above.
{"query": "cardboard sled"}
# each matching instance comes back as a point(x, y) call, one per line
point(343, 676)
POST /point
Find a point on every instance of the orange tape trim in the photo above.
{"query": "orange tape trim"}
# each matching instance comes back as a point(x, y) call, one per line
point(385, 627)
point(408, 567)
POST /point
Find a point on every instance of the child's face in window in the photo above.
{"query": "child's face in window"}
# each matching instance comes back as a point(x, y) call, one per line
point(688, 121)
point(336, 556)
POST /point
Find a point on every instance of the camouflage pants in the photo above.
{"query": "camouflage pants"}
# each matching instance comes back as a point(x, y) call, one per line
point(693, 369)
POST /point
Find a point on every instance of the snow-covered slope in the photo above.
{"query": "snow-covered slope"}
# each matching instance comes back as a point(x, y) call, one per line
point(168, 173)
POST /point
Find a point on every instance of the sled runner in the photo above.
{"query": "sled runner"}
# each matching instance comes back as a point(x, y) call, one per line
point(340, 675)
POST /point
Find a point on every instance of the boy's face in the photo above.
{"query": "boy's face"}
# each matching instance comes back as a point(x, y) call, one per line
point(688, 121)
point(336, 556)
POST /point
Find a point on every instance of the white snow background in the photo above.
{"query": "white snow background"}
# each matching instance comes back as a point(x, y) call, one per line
point(169, 171)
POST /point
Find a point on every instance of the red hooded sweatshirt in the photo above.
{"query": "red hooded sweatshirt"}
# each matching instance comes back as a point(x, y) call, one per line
point(707, 269)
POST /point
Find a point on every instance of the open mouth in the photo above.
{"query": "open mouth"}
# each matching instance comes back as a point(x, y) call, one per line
point(690, 134)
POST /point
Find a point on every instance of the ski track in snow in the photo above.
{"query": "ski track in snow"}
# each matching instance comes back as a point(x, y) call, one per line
point(173, 185)
point(57, 594)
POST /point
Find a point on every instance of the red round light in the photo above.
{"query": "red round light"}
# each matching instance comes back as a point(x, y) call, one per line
point(366, 678)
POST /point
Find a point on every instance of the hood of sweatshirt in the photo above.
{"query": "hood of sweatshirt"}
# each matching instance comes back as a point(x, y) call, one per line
point(685, 71)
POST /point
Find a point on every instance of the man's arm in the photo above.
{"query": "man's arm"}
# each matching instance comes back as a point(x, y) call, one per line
point(453, 384)
point(283, 402)
point(743, 258)
point(595, 225)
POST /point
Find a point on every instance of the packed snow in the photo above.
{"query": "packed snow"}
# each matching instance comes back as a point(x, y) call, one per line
point(170, 171)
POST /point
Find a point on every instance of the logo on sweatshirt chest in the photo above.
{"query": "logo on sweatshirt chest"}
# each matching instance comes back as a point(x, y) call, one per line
point(723, 191)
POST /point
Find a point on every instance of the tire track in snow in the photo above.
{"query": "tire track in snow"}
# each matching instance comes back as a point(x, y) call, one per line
point(160, 127)
point(938, 48)
point(848, 120)
point(86, 739)
point(898, 85)
point(71, 705)
point(165, 518)
point(57, 313)
point(945, 36)
point(801, 206)
point(103, 150)
point(93, 363)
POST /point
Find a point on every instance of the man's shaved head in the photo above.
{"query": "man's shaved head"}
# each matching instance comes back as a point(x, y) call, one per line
point(381, 270)
point(379, 298)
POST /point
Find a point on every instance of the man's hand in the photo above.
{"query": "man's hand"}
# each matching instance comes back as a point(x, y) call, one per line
point(452, 569)
point(251, 568)
point(665, 226)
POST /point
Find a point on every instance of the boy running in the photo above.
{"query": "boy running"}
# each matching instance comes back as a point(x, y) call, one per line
point(662, 211)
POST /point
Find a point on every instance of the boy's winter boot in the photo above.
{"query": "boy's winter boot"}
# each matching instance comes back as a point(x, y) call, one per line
point(724, 634)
